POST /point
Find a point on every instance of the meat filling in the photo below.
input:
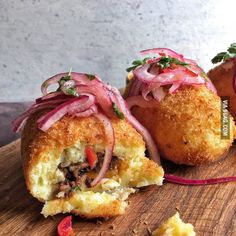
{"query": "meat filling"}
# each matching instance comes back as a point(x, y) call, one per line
point(76, 175)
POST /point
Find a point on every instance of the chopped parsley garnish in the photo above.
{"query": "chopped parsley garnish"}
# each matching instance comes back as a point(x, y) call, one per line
point(165, 62)
point(76, 188)
point(90, 77)
point(116, 110)
point(137, 63)
point(64, 79)
point(71, 91)
point(224, 56)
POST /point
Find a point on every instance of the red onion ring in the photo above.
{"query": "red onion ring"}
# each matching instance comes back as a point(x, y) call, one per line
point(162, 52)
point(19, 122)
point(92, 110)
point(158, 93)
point(147, 88)
point(93, 95)
point(197, 182)
point(49, 96)
point(109, 132)
point(141, 102)
point(142, 74)
point(174, 88)
point(135, 87)
point(151, 146)
point(73, 106)
point(53, 80)
point(80, 78)
point(101, 95)
point(150, 73)
point(175, 77)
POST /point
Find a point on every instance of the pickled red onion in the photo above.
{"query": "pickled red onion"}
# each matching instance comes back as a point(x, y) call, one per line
point(71, 107)
point(141, 102)
point(92, 98)
point(196, 182)
point(110, 138)
point(150, 77)
point(151, 146)
point(162, 52)
point(80, 78)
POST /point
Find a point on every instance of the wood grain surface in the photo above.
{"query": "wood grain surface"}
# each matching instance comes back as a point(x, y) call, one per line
point(211, 209)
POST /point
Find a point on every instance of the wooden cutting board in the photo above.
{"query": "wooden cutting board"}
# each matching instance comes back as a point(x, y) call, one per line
point(211, 209)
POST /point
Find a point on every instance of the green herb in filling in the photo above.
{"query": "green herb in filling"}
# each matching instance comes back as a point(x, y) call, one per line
point(76, 188)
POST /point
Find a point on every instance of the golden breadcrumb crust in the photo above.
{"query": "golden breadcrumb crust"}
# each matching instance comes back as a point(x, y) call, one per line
point(89, 204)
point(41, 153)
point(66, 133)
point(222, 78)
point(187, 126)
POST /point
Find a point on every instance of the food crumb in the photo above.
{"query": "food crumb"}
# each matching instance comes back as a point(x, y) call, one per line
point(177, 208)
point(103, 233)
point(145, 222)
point(135, 231)
point(111, 227)
point(149, 231)
point(99, 222)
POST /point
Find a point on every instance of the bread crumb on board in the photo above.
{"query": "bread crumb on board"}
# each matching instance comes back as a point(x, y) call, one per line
point(174, 226)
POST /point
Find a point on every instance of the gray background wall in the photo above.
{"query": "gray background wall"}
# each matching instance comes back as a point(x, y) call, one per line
point(41, 38)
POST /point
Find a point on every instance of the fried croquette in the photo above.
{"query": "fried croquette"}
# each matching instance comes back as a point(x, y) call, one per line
point(187, 126)
point(49, 158)
point(222, 78)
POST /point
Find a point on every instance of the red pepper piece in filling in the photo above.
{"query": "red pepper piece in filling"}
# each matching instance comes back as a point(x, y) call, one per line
point(91, 157)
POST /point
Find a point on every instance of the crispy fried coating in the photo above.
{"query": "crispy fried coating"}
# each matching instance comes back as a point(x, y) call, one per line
point(222, 77)
point(187, 126)
point(42, 153)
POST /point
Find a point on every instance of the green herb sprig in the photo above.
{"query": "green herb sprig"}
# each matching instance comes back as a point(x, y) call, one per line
point(70, 90)
point(224, 56)
point(118, 113)
point(64, 79)
point(137, 63)
point(90, 77)
point(75, 188)
point(165, 62)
